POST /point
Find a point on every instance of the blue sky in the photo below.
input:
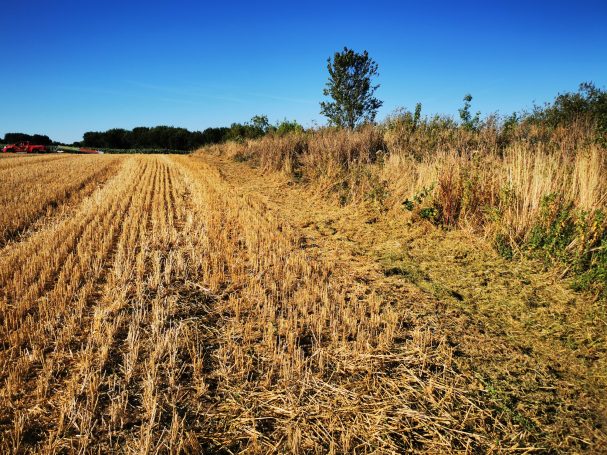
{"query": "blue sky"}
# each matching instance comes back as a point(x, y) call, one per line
point(76, 66)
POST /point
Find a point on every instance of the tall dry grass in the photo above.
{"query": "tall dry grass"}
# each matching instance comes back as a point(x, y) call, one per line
point(527, 186)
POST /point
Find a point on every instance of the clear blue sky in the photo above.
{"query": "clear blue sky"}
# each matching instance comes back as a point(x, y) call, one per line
point(75, 66)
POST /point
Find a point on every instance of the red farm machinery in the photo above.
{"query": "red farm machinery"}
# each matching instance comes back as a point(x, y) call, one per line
point(25, 147)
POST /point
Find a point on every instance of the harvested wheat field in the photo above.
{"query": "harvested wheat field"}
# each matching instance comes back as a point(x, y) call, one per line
point(193, 304)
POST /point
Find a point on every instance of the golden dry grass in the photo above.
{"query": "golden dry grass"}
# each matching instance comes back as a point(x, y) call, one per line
point(187, 304)
point(525, 345)
point(538, 187)
point(29, 187)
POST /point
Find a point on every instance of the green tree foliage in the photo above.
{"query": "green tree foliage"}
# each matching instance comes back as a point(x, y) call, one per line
point(588, 103)
point(257, 127)
point(288, 126)
point(469, 122)
point(37, 139)
point(404, 121)
point(159, 137)
point(167, 138)
point(261, 124)
point(172, 138)
point(417, 115)
point(350, 87)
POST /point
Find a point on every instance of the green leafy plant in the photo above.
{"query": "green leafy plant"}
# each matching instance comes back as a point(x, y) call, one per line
point(555, 229)
point(286, 126)
point(419, 197)
point(379, 192)
point(430, 214)
point(468, 121)
point(503, 246)
point(576, 238)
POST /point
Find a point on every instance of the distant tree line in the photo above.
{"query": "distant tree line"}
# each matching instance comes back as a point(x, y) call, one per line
point(167, 137)
point(39, 139)
point(158, 137)
point(172, 138)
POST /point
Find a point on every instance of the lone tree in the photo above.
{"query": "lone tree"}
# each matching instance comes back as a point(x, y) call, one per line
point(469, 122)
point(351, 88)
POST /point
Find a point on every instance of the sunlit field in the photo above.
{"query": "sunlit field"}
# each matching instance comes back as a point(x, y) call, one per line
point(198, 304)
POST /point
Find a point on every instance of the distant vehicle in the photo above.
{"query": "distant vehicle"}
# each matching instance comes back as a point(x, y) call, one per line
point(25, 147)
point(81, 150)
point(92, 151)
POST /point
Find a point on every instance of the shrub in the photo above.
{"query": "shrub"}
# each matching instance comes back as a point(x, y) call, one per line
point(286, 127)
